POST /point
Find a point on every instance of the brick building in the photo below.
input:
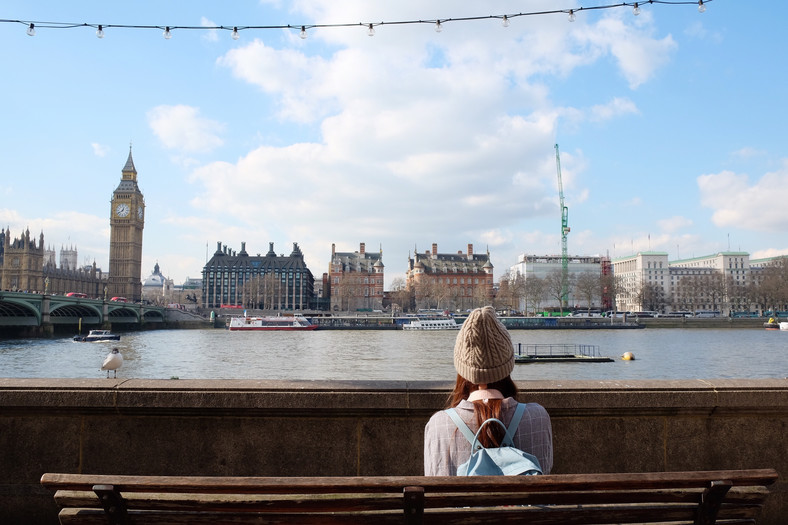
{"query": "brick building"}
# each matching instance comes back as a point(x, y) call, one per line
point(355, 280)
point(452, 281)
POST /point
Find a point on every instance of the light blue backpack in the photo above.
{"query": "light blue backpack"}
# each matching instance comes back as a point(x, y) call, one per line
point(506, 460)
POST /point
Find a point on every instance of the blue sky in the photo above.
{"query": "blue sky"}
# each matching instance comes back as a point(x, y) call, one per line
point(670, 126)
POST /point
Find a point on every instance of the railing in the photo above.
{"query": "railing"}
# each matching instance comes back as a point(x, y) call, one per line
point(556, 350)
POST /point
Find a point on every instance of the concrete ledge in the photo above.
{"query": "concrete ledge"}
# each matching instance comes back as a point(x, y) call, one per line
point(243, 427)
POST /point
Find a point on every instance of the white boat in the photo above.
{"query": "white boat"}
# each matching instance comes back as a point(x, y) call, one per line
point(783, 326)
point(431, 324)
point(95, 336)
point(279, 322)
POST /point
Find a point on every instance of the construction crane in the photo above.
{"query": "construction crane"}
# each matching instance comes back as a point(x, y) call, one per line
point(564, 232)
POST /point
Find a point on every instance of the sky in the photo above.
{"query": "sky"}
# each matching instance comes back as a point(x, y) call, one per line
point(670, 126)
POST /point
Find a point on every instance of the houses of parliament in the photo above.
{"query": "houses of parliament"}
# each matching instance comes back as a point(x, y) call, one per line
point(26, 265)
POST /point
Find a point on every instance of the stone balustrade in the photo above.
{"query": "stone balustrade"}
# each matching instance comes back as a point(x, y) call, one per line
point(243, 427)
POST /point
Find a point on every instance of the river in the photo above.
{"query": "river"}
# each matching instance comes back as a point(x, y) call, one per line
point(684, 353)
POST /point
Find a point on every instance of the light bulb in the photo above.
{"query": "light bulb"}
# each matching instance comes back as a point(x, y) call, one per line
point(636, 9)
point(572, 16)
point(167, 35)
point(303, 32)
point(235, 34)
point(438, 27)
point(505, 21)
point(701, 7)
point(371, 31)
point(100, 32)
point(31, 31)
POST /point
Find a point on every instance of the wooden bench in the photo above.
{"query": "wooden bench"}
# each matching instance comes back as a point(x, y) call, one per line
point(727, 496)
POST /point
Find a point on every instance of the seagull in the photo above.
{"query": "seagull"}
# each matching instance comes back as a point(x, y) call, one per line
point(113, 361)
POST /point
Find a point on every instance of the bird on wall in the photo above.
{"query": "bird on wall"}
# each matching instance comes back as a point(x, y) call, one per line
point(113, 361)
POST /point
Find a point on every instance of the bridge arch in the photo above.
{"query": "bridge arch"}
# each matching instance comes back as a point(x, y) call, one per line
point(15, 312)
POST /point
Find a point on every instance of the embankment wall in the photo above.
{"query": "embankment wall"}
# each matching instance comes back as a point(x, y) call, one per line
point(239, 427)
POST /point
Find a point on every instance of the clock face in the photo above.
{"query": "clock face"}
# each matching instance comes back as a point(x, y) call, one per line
point(139, 212)
point(122, 210)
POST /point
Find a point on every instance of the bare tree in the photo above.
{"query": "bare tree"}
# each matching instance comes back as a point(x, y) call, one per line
point(651, 297)
point(556, 282)
point(401, 295)
point(588, 287)
point(507, 296)
point(535, 293)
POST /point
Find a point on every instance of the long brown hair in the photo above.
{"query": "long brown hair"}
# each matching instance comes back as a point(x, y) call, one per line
point(493, 433)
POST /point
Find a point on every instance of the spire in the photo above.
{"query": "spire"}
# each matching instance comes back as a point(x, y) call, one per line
point(129, 167)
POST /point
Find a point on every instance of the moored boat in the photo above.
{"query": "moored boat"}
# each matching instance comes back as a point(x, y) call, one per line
point(96, 336)
point(432, 324)
point(279, 322)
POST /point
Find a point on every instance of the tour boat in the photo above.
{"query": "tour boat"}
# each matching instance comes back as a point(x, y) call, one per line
point(432, 324)
point(97, 336)
point(280, 322)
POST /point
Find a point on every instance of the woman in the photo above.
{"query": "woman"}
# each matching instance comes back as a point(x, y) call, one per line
point(484, 360)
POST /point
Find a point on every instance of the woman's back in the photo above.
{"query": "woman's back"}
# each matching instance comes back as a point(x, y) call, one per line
point(445, 448)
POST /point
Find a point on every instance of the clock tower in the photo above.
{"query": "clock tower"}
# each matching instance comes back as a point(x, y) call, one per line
point(127, 219)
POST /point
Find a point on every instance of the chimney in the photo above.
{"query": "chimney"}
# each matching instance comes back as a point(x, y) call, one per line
point(435, 248)
point(362, 248)
point(333, 249)
point(470, 250)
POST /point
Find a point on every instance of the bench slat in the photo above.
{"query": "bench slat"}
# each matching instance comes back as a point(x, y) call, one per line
point(279, 485)
point(668, 497)
point(532, 516)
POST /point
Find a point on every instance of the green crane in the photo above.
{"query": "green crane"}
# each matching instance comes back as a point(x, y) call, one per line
point(564, 231)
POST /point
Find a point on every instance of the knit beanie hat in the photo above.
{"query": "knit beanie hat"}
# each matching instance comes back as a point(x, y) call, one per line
point(483, 352)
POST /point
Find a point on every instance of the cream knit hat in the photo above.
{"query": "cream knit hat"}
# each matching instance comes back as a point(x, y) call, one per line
point(483, 352)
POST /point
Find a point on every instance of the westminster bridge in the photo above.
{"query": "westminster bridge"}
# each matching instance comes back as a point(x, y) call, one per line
point(32, 313)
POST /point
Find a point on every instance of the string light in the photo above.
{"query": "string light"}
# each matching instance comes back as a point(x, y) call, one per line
point(438, 23)
point(100, 32)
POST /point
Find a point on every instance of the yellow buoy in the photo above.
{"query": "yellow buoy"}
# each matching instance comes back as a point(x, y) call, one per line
point(628, 356)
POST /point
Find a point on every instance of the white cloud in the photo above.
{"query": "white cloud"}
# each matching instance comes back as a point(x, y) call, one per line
point(99, 150)
point(211, 34)
point(415, 124)
point(674, 224)
point(615, 108)
point(766, 254)
point(637, 52)
point(737, 202)
point(180, 127)
point(747, 152)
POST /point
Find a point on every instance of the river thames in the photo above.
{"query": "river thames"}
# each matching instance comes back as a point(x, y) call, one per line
point(685, 353)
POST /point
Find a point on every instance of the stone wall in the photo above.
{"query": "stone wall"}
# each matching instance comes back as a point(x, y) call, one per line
point(185, 427)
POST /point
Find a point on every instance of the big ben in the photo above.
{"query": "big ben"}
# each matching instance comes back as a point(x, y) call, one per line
point(127, 219)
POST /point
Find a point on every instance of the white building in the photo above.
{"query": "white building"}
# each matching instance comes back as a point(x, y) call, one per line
point(674, 280)
point(541, 266)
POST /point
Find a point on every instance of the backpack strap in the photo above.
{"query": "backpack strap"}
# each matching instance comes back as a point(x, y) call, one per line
point(508, 439)
point(461, 424)
point(511, 430)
